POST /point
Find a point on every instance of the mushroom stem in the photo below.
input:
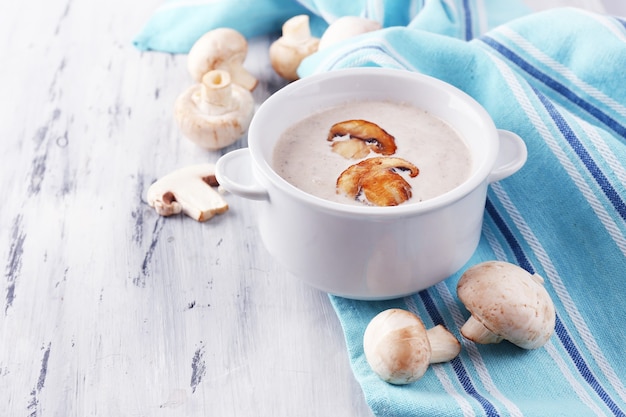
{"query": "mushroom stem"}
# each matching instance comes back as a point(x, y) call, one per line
point(295, 44)
point(214, 113)
point(297, 30)
point(215, 96)
point(475, 331)
point(444, 346)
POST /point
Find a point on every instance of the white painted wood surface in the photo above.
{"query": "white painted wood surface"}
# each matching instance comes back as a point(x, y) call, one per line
point(108, 309)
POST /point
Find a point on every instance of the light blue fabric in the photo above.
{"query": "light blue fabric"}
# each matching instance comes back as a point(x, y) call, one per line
point(177, 24)
point(558, 79)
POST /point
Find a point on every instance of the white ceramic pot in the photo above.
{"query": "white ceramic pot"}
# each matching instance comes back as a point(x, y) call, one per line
point(365, 252)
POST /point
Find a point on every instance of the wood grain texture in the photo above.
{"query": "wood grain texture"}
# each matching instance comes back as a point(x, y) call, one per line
point(107, 309)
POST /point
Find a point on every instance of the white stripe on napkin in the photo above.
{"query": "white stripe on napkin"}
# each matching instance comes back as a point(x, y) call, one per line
point(568, 165)
point(483, 23)
point(551, 274)
point(604, 151)
point(610, 23)
point(461, 399)
point(573, 381)
point(558, 68)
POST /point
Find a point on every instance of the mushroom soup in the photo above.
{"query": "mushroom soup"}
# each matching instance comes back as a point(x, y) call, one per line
point(374, 153)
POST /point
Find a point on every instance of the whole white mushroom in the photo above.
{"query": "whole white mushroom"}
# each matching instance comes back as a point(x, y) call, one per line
point(214, 113)
point(506, 303)
point(296, 43)
point(399, 349)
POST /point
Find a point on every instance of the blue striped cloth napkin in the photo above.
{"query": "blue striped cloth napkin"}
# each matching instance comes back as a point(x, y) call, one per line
point(557, 79)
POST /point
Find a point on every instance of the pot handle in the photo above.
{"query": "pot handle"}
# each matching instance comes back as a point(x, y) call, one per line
point(234, 173)
point(511, 156)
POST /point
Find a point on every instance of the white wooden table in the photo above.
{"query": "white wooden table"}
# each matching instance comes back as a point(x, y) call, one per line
point(107, 309)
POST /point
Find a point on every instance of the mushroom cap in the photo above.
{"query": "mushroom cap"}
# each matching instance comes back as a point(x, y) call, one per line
point(214, 131)
point(509, 302)
point(347, 27)
point(376, 138)
point(377, 181)
point(221, 48)
point(396, 346)
point(286, 57)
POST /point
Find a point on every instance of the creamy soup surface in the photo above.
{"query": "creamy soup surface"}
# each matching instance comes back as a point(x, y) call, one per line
point(303, 156)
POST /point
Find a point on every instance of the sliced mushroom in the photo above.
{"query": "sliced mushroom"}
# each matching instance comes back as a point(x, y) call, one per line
point(295, 44)
point(506, 303)
point(215, 113)
point(351, 148)
point(399, 349)
point(376, 181)
point(188, 190)
point(363, 137)
point(224, 49)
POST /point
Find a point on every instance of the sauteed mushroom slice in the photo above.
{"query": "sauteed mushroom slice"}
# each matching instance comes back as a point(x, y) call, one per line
point(377, 181)
point(363, 137)
point(351, 148)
